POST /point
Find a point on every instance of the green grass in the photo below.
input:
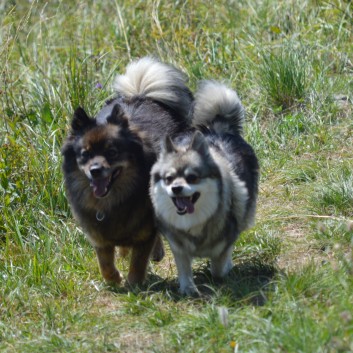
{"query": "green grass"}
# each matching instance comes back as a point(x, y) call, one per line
point(284, 77)
point(335, 194)
point(291, 288)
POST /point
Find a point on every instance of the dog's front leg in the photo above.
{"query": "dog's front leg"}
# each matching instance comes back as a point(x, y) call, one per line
point(106, 259)
point(184, 266)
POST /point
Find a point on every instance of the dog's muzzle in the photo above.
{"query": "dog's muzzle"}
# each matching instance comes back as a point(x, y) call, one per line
point(185, 204)
point(102, 179)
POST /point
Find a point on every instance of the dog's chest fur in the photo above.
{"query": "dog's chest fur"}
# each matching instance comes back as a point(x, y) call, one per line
point(198, 247)
point(117, 226)
point(208, 240)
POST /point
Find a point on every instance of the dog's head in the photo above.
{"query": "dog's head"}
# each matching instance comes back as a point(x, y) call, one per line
point(185, 182)
point(105, 152)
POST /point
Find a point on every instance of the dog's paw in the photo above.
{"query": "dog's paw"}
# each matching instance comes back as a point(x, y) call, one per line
point(113, 277)
point(190, 291)
point(135, 279)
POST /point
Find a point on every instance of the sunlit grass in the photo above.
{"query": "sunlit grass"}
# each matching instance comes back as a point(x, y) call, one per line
point(283, 76)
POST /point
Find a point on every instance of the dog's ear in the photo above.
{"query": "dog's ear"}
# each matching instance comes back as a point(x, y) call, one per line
point(168, 145)
point(68, 145)
point(199, 144)
point(80, 121)
point(117, 117)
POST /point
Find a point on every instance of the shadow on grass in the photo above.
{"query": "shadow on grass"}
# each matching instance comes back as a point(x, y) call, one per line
point(248, 282)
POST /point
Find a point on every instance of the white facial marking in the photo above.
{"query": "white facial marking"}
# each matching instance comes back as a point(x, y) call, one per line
point(206, 205)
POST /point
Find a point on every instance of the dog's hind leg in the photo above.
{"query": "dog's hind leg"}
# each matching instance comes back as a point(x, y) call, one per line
point(139, 260)
point(106, 257)
point(158, 250)
point(123, 251)
point(222, 264)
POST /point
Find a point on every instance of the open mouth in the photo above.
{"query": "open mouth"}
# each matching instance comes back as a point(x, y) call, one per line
point(185, 204)
point(101, 186)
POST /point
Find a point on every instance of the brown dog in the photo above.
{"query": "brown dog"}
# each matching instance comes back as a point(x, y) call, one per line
point(107, 163)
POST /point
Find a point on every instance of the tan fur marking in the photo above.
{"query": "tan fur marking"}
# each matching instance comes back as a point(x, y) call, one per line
point(100, 133)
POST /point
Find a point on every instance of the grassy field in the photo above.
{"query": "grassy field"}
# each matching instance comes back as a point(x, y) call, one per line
point(291, 289)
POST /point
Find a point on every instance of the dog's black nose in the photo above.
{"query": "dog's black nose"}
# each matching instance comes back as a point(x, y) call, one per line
point(177, 189)
point(96, 171)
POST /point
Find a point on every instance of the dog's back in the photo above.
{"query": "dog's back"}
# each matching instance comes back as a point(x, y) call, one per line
point(153, 79)
point(155, 99)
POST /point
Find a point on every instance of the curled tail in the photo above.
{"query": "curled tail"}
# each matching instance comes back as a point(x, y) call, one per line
point(151, 78)
point(218, 107)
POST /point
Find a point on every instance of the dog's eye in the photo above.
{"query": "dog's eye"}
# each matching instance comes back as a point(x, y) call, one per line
point(168, 179)
point(192, 179)
point(85, 154)
point(112, 152)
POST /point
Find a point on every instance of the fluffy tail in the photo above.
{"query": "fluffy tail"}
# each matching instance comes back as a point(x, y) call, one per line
point(153, 79)
point(218, 107)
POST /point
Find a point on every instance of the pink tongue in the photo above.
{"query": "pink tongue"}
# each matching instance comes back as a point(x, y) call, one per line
point(100, 186)
point(185, 202)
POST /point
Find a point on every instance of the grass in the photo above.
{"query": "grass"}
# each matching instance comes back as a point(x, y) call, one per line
point(291, 287)
point(284, 77)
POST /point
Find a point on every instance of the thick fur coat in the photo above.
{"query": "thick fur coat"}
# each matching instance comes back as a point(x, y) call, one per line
point(204, 184)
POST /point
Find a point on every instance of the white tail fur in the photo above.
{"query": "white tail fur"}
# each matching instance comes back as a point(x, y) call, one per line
point(153, 79)
point(219, 106)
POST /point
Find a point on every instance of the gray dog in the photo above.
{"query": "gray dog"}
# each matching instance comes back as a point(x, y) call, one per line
point(204, 185)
